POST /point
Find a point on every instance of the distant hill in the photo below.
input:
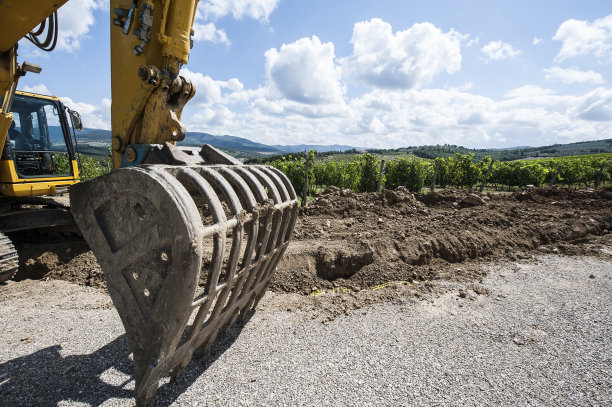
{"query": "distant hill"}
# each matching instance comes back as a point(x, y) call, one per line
point(239, 143)
point(504, 154)
point(92, 140)
point(317, 147)
point(226, 142)
point(94, 135)
point(97, 142)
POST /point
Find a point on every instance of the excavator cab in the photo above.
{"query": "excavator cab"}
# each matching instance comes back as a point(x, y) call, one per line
point(39, 155)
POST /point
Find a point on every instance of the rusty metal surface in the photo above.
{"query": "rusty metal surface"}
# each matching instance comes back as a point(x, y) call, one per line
point(186, 250)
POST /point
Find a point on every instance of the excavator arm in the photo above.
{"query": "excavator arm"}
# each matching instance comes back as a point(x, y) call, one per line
point(150, 41)
point(188, 239)
point(19, 19)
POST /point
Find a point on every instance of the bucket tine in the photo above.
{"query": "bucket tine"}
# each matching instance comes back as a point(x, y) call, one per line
point(160, 231)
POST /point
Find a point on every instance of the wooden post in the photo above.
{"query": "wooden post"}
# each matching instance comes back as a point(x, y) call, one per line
point(486, 177)
point(552, 181)
point(305, 191)
point(380, 175)
point(435, 174)
point(598, 179)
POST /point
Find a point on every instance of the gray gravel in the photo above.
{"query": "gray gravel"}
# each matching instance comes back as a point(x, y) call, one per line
point(541, 336)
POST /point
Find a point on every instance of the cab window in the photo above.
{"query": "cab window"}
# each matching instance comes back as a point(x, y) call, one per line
point(37, 138)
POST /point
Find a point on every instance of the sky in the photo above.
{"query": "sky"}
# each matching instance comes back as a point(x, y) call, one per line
point(384, 74)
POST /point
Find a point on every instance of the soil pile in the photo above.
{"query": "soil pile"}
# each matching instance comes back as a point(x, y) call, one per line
point(351, 240)
point(347, 240)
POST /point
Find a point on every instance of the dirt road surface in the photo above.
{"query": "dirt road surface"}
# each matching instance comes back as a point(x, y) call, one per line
point(533, 333)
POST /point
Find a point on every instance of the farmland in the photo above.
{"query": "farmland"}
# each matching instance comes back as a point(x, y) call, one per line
point(368, 173)
point(374, 259)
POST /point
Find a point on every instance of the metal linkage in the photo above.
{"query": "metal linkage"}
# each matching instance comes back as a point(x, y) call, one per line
point(186, 251)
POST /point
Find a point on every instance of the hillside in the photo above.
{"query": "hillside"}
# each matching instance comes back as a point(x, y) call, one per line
point(504, 154)
point(96, 142)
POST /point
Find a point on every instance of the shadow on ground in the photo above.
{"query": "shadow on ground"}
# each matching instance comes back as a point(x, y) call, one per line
point(46, 378)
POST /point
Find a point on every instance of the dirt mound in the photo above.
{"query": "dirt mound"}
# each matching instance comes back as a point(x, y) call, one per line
point(349, 204)
point(57, 256)
point(603, 196)
point(351, 241)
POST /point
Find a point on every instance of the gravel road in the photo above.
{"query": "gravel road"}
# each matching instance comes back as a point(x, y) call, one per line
point(531, 334)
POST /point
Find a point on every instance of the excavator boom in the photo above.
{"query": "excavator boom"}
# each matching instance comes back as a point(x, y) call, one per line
point(150, 41)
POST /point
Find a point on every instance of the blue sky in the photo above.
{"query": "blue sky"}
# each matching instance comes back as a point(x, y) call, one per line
point(368, 74)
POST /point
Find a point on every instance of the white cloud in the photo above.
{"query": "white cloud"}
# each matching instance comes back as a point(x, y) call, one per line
point(528, 91)
point(304, 98)
point(40, 89)
point(94, 116)
point(103, 5)
point(596, 106)
point(256, 9)
point(75, 18)
point(496, 50)
point(472, 42)
point(305, 72)
point(208, 90)
point(466, 86)
point(210, 103)
point(208, 32)
point(537, 40)
point(572, 75)
point(581, 38)
point(217, 116)
point(529, 115)
point(404, 60)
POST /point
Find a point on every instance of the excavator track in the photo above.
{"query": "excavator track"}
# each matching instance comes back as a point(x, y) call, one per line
point(9, 261)
point(186, 251)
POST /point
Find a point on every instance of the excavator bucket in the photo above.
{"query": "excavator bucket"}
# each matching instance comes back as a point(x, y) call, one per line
point(186, 251)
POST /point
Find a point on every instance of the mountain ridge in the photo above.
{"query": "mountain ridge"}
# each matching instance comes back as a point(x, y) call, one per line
point(97, 142)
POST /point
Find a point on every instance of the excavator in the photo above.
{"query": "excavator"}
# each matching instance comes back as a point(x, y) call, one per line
point(188, 239)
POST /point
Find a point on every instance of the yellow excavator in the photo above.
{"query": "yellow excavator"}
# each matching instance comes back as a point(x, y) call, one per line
point(188, 238)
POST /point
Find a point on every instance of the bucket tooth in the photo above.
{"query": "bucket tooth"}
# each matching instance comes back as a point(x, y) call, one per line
point(186, 251)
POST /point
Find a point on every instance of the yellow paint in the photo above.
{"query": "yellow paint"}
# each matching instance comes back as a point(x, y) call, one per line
point(19, 17)
point(139, 112)
point(177, 32)
point(34, 188)
point(75, 169)
point(38, 96)
point(5, 123)
point(12, 185)
point(8, 69)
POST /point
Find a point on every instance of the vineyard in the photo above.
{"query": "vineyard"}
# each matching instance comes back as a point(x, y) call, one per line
point(368, 173)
